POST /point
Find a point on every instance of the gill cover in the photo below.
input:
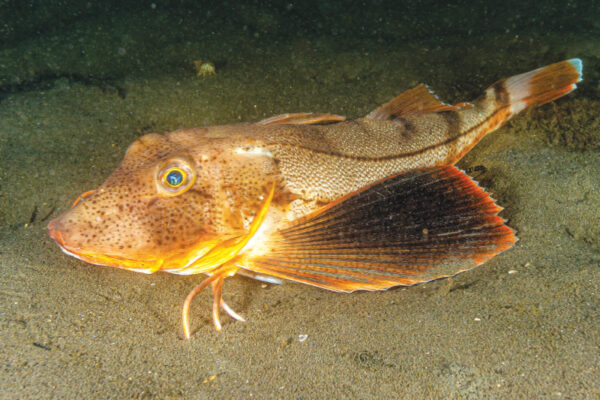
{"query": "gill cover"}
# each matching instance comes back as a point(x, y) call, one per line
point(226, 250)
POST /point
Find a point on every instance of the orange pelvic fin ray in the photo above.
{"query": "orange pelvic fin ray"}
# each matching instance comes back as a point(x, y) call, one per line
point(410, 228)
point(216, 279)
point(83, 196)
point(418, 100)
point(302, 119)
point(539, 86)
point(219, 256)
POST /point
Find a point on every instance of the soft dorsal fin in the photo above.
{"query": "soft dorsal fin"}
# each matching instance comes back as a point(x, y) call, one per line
point(418, 100)
point(302, 119)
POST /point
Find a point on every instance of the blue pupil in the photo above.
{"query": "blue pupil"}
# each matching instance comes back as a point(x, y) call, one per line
point(174, 178)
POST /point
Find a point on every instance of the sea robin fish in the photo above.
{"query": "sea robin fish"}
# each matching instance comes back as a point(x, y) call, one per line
point(344, 205)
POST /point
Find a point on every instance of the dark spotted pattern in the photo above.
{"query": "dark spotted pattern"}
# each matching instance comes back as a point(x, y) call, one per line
point(131, 217)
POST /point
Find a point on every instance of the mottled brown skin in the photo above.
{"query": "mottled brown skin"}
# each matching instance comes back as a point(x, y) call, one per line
point(131, 217)
point(135, 220)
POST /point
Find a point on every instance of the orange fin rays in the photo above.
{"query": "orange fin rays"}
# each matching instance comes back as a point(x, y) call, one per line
point(83, 196)
point(217, 289)
point(302, 119)
point(218, 303)
point(539, 86)
point(188, 302)
point(227, 250)
point(410, 228)
point(216, 279)
point(231, 313)
point(220, 257)
point(418, 100)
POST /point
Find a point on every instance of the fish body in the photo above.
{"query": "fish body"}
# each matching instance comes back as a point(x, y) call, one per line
point(341, 204)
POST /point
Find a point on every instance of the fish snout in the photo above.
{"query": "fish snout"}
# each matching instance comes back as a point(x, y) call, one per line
point(54, 229)
point(60, 234)
point(77, 237)
point(71, 231)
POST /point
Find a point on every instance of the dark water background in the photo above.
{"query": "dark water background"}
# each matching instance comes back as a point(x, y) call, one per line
point(97, 42)
point(81, 80)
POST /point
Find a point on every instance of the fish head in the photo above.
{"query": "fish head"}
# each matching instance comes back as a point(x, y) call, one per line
point(173, 198)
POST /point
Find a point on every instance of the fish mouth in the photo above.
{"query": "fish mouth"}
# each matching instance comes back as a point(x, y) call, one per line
point(111, 260)
point(200, 255)
point(177, 262)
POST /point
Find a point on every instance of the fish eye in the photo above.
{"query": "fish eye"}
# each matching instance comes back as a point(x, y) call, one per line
point(175, 178)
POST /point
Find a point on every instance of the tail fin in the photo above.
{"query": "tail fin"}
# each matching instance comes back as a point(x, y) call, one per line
point(539, 86)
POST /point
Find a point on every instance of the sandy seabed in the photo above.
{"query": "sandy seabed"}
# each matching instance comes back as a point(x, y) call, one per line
point(524, 325)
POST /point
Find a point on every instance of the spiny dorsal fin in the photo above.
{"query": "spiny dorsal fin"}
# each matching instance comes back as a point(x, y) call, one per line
point(418, 100)
point(302, 119)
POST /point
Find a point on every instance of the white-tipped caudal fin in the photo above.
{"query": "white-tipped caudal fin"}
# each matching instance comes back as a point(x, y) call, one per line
point(424, 122)
point(539, 86)
point(509, 96)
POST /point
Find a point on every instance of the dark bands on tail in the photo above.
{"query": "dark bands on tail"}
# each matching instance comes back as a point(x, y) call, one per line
point(539, 86)
point(509, 96)
point(409, 228)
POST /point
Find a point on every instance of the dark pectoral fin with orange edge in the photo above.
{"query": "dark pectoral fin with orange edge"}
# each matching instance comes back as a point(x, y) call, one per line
point(409, 228)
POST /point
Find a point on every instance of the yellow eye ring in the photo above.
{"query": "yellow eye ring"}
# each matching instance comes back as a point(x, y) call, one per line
point(174, 177)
